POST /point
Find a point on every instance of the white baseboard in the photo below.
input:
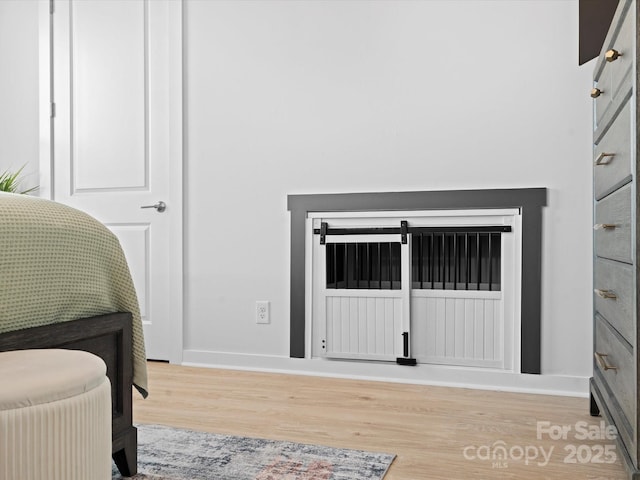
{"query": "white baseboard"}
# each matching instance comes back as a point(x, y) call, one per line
point(438, 375)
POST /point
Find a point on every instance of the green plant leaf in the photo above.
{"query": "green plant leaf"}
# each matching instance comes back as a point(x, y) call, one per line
point(10, 182)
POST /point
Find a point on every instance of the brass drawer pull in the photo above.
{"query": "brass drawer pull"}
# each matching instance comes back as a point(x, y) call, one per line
point(604, 226)
point(612, 55)
point(596, 92)
point(606, 294)
point(604, 158)
point(600, 358)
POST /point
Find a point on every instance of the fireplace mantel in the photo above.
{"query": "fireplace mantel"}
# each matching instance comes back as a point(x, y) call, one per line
point(529, 200)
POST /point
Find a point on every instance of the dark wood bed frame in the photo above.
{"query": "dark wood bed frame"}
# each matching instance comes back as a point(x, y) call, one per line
point(110, 337)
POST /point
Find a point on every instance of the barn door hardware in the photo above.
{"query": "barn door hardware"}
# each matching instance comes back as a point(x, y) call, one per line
point(405, 360)
point(415, 230)
point(323, 233)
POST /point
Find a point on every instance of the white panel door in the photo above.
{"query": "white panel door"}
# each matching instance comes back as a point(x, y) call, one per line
point(118, 143)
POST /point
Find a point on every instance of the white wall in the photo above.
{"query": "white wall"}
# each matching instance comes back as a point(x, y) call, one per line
point(19, 100)
point(316, 97)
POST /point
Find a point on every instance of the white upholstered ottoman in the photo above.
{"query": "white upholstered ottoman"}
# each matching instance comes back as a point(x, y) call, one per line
point(55, 416)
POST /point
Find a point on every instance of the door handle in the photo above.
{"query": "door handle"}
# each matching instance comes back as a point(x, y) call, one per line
point(160, 206)
point(604, 226)
point(601, 158)
point(601, 359)
point(605, 294)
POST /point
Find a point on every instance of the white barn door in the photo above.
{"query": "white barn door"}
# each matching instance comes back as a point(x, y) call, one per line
point(117, 142)
point(450, 289)
point(364, 301)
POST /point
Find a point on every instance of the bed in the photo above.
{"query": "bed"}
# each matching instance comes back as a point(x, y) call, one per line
point(65, 283)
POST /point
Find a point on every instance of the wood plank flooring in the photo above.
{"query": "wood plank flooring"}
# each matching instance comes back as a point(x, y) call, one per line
point(436, 432)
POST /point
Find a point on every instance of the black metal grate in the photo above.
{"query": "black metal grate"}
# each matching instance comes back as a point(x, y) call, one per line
point(372, 265)
point(441, 260)
point(456, 261)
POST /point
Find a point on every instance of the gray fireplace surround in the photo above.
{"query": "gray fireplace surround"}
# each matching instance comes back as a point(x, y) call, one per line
point(529, 200)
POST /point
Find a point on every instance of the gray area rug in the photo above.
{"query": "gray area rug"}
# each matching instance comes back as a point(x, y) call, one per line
point(166, 453)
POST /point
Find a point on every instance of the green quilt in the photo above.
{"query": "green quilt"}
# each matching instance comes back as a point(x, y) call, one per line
point(59, 264)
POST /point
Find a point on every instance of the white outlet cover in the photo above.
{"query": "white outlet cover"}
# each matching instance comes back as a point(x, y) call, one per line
point(262, 312)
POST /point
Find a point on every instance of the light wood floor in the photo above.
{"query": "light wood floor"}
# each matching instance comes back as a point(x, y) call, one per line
point(428, 428)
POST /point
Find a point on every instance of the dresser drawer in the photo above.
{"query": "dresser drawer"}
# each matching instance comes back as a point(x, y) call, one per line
point(623, 44)
point(614, 362)
point(605, 95)
point(612, 229)
point(612, 156)
point(613, 294)
point(612, 76)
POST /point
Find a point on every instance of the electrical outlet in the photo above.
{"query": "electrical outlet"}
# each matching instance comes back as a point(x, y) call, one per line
point(262, 312)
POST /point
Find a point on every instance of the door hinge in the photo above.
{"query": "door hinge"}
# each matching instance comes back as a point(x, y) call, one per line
point(53, 110)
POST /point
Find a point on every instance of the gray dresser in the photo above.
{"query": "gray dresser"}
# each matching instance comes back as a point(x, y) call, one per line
point(614, 386)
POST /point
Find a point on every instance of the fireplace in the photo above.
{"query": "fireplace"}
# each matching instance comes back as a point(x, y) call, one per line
point(448, 278)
